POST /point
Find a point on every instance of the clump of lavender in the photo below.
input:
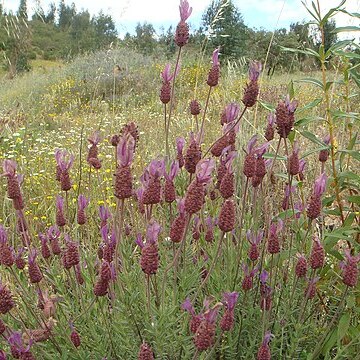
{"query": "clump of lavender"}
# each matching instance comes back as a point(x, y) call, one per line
point(193, 154)
point(214, 72)
point(123, 177)
point(149, 260)
point(169, 187)
point(64, 163)
point(264, 350)
point(182, 29)
point(195, 195)
point(314, 203)
point(228, 319)
point(177, 228)
point(195, 318)
point(251, 91)
point(92, 157)
point(285, 117)
point(6, 253)
point(145, 352)
point(350, 271)
point(270, 130)
point(35, 274)
point(6, 299)
point(83, 202)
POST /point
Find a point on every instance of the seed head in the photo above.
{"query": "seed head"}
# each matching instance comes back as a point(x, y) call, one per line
point(6, 300)
point(350, 271)
point(301, 266)
point(214, 73)
point(195, 107)
point(227, 216)
point(264, 350)
point(317, 256)
point(35, 274)
point(145, 352)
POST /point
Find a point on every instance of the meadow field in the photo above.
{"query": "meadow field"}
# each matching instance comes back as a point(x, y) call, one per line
point(208, 212)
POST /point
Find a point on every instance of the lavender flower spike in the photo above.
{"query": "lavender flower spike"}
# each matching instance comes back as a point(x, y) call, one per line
point(185, 10)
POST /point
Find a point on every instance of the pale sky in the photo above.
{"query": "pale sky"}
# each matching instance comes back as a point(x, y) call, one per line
point(268, 14)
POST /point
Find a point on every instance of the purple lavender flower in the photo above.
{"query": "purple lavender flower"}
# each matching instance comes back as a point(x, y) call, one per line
point(185, 10)
point(104, 214)
point(64, 160)
point(254, 70)
point(125, 150)
point(232, 111)
point(230, 299)
point(187, 306)
point(320, 185)
point(152, 232)
point(204, 169)
point(9, 167)
point(215, 57)
point(174, 170)
point(94, 139)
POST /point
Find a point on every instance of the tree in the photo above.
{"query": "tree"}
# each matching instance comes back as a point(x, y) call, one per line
point(223, 23)
point(144, 39)
point(22, 11)
point(50, 16)
point(105, 31)
point(66, 15)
